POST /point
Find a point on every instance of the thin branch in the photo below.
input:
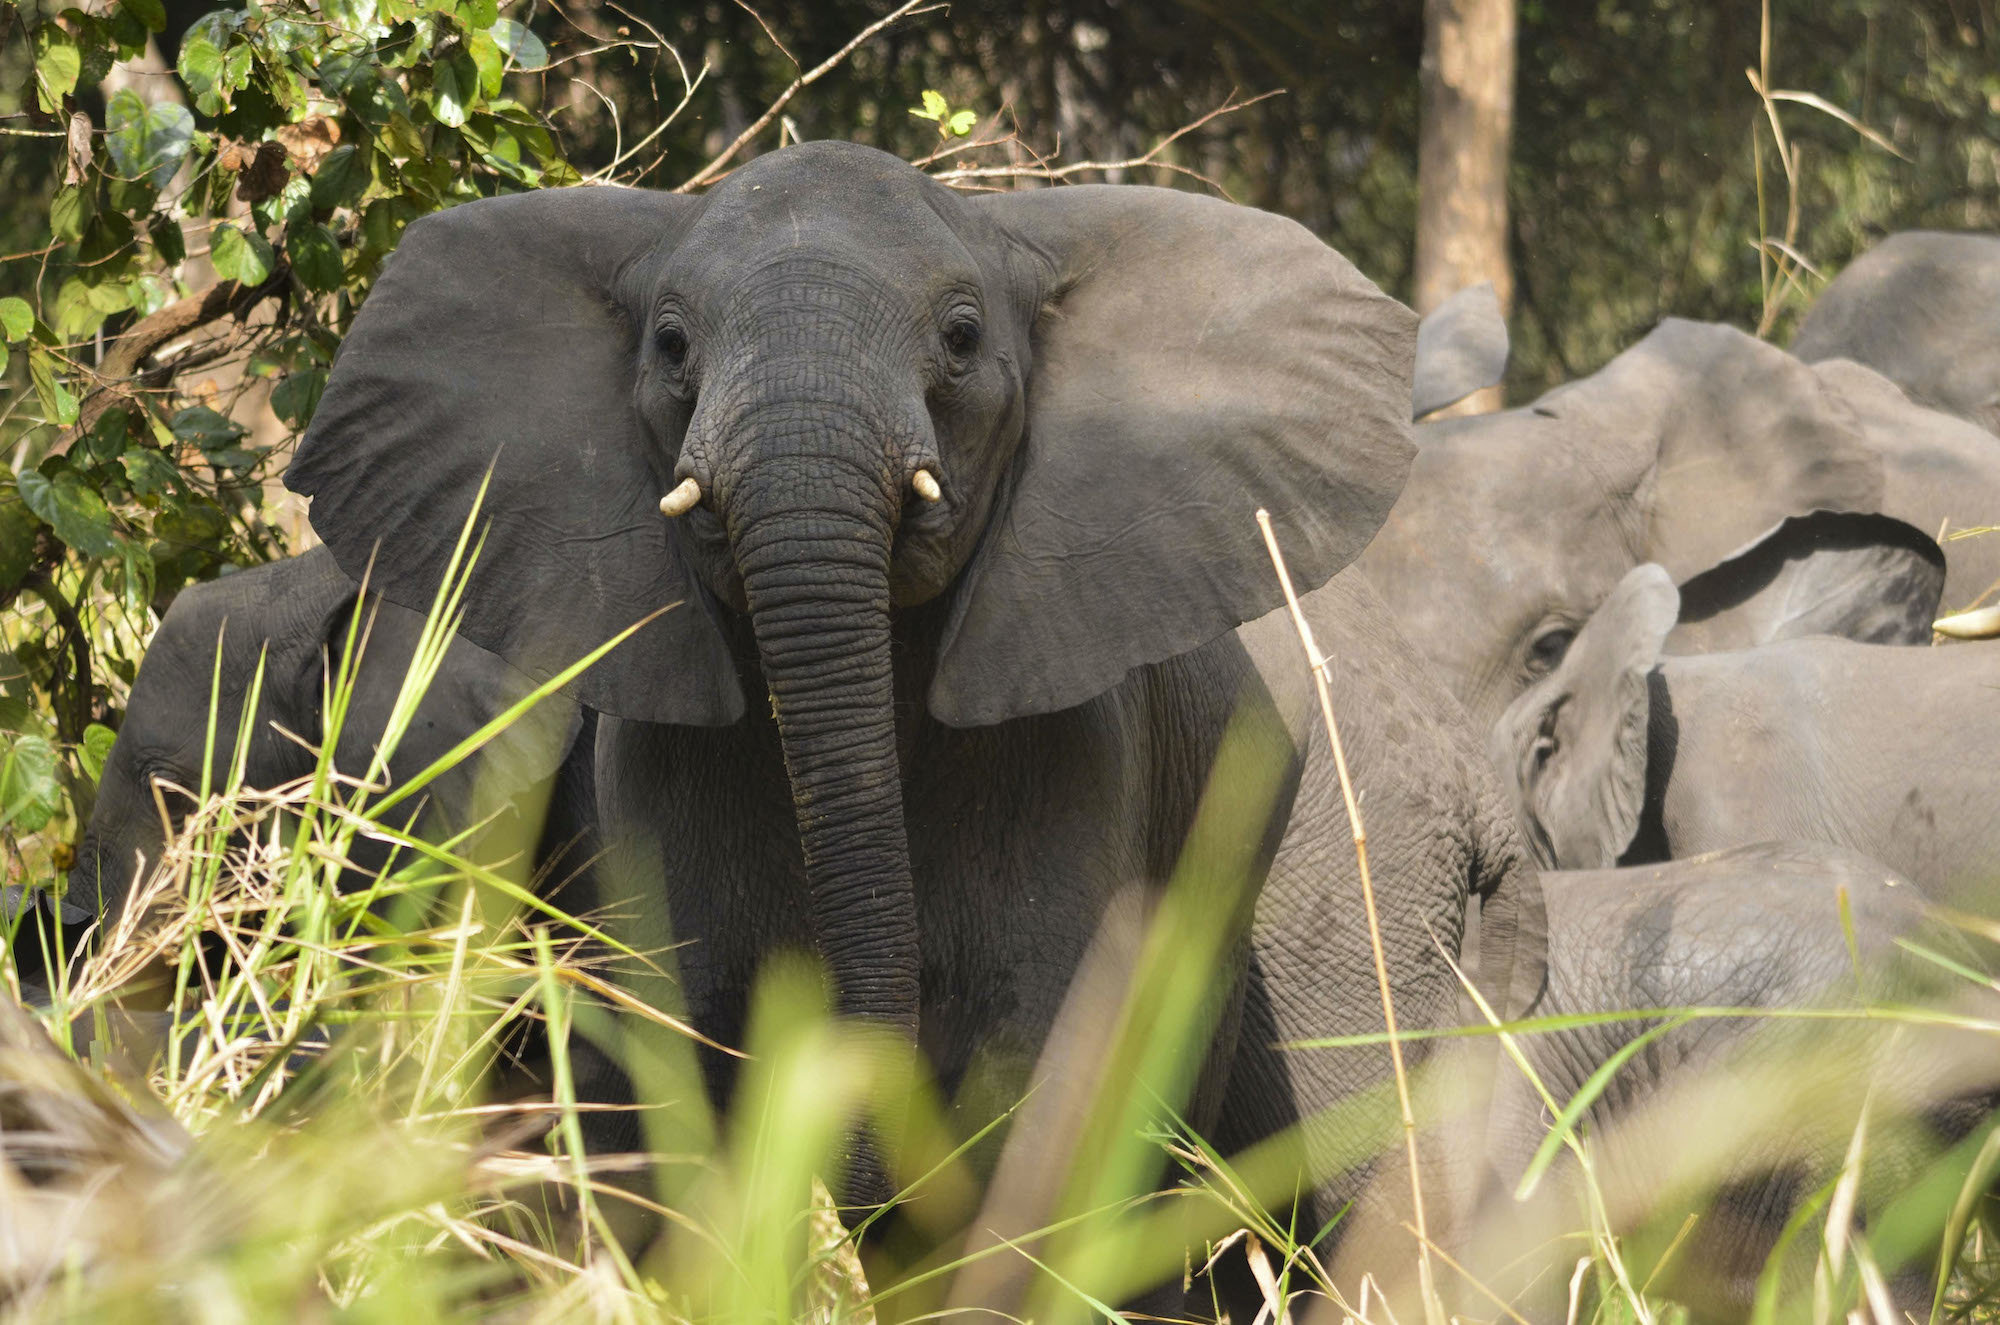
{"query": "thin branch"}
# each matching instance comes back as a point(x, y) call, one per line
point(708, 173)
point(1043, 171)
point(745, 7)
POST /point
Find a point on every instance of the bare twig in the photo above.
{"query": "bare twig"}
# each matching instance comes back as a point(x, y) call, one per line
point(708, 173)
point(1043, 171)
point(1317, 661)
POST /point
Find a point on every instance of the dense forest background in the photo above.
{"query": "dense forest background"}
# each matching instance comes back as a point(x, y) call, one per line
point(1634, 182)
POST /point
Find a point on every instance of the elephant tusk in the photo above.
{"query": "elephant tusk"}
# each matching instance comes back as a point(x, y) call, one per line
point(1982, 623)
point(682, 499)
point(926, 486)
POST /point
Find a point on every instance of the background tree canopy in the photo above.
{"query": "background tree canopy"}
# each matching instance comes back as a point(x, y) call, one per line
point(198, 198)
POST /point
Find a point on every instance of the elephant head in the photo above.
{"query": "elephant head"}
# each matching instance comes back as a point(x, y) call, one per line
point(1684, 450)
point(1049, 415)
point(1461, 348)
point(292, 617)
point(1923, 309)
point(1572, 749)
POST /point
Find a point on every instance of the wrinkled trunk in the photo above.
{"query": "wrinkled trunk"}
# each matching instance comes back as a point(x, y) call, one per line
point(818, 591)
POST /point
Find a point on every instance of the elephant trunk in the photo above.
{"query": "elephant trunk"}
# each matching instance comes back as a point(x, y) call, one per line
point(817, 586)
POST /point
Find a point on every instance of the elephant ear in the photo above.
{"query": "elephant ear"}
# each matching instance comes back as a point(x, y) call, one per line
point(1192, 361)
point(1745, 437)
point(501, 338)
point(1572, 748)
point(1870, 578)
point(1461, 348)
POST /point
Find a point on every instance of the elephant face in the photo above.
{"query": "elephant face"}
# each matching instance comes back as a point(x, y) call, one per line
point(1684, 451)
point(1572, 749)
point(1050, 415)
point(1923, 309)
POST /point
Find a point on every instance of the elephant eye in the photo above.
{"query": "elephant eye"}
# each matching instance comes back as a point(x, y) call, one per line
point(672, 343)
point(1549, 649)
point(961, 336)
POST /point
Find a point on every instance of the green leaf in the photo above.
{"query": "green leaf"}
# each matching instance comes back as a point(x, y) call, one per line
point(478, 15)
point(168, 241)
point(148, 471)
point(150, 12)
point(136, 563)
point(95, 749)
point(57, 64)
point(962, 122)
point(491, 63)
point(30, 796)
point(524, 49)
point(934, 106)
point(16, 318)
point(342, 175)
point(107, 438)
point(58, 405)
point(70, 212)
point(295, 398)
point(315, 256)
point(18, 526)
point(356, 16)
point(241, 256)
point(203, 427)
point(455, 87)
point(71, 507)
point(200, 67)
point(147, 142)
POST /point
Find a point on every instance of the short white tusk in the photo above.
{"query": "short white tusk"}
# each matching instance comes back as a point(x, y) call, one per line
point(682, 499)
point(1982, 623)
point(926, 486)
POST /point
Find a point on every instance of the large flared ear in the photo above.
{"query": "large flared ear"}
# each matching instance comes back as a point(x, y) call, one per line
point(1572, 748)
point(1923, 309)
point(1192, 361)
point(1870, 578)
point(1745, 437)
point(503, 336)
point(1461, 348)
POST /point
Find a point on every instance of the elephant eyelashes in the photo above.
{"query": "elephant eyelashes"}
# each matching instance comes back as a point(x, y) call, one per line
point(672, 343)
point(961, 337)
point(1549, 648)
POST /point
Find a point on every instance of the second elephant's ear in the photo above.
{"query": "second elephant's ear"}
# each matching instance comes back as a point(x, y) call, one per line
point(1192, 361)
point(1870, 578)
point(1461, 348)
point(503, 335)
point(1572, 748)
point(1746, 436)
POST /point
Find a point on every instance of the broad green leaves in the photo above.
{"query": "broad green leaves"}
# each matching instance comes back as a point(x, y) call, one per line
point(58, 62)
point(950, 123)
point(240, 255)
point(30, 794)
point(147, 142)
point(71, 507)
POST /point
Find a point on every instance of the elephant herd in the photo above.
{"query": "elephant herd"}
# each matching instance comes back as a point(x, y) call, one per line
point(951, 498)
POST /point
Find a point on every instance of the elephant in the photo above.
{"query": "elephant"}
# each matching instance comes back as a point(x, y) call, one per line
point(954, 494)
point(1685, 450)
point(1765, 926)
point(1923, 309)
point(293, 617)
point(1621, 754)
point(1461, 348)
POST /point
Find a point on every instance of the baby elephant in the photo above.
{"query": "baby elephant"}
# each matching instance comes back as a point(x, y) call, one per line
point(296, 615)
point(1739, 1119)
point(1623, 754)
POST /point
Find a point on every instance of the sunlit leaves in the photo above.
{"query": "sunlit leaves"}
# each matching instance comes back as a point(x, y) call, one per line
point(147, 142)
point(240, 255)
point(70, 506)
point(30, 795)
point(523, 48)
point(58, 62)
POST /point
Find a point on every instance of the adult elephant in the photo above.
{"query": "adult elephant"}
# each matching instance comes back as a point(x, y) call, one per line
point(1620, 754)
point(1738, 1121)
point(957, 494)
point(1923, 309)
point(1686, 450)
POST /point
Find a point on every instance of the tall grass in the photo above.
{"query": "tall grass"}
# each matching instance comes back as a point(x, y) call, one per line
point(260, 1097)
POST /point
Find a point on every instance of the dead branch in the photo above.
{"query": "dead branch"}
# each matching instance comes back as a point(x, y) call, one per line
point(1053, 174)
point(708, 173)
point(120, 371)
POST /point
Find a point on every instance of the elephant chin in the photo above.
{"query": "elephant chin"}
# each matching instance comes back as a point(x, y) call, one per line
point(819, 606)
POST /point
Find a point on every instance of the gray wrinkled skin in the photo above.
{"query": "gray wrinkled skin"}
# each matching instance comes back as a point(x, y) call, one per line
point(1923, 309)
point(1621, 754)
point(1734, 1118)
point(1686, 450)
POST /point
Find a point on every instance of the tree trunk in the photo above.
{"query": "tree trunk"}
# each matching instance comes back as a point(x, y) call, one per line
point(1467, 119)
